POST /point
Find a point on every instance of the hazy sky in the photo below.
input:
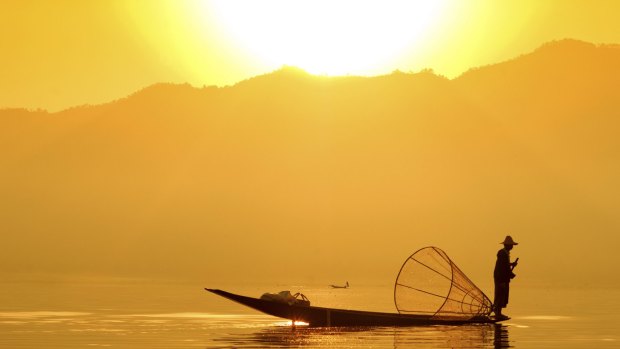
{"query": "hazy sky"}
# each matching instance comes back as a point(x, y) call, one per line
point(57, 54)
point(290, 176)
point(347, 175)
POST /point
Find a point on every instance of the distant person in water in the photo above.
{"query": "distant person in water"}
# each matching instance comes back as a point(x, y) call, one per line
point(502, 276)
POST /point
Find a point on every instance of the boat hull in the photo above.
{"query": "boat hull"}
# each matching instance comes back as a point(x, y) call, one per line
point(319, 316)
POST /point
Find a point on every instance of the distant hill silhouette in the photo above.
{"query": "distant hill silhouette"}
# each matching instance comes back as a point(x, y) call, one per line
point(327, 172)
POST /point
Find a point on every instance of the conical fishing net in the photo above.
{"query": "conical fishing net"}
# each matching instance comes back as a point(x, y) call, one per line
point(430, 283)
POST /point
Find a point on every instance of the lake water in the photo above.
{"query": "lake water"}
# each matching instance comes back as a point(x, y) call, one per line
point(146, 314)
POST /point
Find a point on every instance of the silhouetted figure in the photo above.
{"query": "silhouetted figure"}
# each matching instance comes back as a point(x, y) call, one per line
point(502, 276)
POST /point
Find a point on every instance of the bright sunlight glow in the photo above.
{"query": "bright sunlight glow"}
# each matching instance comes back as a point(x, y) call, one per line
point(327, 37)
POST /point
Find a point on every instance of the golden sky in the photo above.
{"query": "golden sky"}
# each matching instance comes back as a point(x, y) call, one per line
point(57, 54)
point(344, 175)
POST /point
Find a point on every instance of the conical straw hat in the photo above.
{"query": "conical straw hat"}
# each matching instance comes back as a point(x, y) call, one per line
point(509, 241)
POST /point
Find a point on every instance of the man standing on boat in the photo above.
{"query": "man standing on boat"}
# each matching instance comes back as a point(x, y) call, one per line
point(502, 276)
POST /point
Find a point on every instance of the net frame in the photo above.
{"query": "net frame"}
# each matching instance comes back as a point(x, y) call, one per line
point(472, 303)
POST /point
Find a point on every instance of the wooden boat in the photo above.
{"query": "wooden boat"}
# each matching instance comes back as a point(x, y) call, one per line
point(319, 316)
point(429, 290)
point(338, 286)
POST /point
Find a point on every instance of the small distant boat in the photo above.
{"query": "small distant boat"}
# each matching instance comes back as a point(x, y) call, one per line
point(336, 286)
point(429, 290)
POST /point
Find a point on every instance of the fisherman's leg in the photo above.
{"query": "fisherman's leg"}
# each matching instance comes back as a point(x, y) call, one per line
point(501, 298)
point(498, 308)
point(497, 300)
point(507, 294)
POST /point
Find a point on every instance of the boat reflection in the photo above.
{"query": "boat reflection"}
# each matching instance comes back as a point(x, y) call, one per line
point(470, 336)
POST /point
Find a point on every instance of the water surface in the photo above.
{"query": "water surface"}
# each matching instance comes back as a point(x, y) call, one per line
point(146, 314)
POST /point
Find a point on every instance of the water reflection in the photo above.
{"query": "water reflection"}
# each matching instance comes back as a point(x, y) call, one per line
point(472, 336)
point(500, 336)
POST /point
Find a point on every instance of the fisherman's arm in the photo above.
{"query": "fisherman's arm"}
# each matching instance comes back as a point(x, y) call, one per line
point(512, 266)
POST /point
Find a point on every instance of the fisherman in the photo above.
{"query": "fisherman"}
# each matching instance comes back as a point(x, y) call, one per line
point(502, 276)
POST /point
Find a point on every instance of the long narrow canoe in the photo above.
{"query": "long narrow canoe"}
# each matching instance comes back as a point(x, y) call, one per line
point(318, 316)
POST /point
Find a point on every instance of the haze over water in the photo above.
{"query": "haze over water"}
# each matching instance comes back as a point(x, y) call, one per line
point(314, 190)
point(210, 156)
point(149, 314)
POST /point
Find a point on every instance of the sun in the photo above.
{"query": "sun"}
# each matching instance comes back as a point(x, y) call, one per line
point(326, 37)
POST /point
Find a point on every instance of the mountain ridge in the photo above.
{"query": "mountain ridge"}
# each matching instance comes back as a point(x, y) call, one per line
point(172, 179)
point(288, 75)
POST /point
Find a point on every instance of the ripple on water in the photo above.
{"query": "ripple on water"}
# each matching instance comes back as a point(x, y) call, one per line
point(40, 314)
